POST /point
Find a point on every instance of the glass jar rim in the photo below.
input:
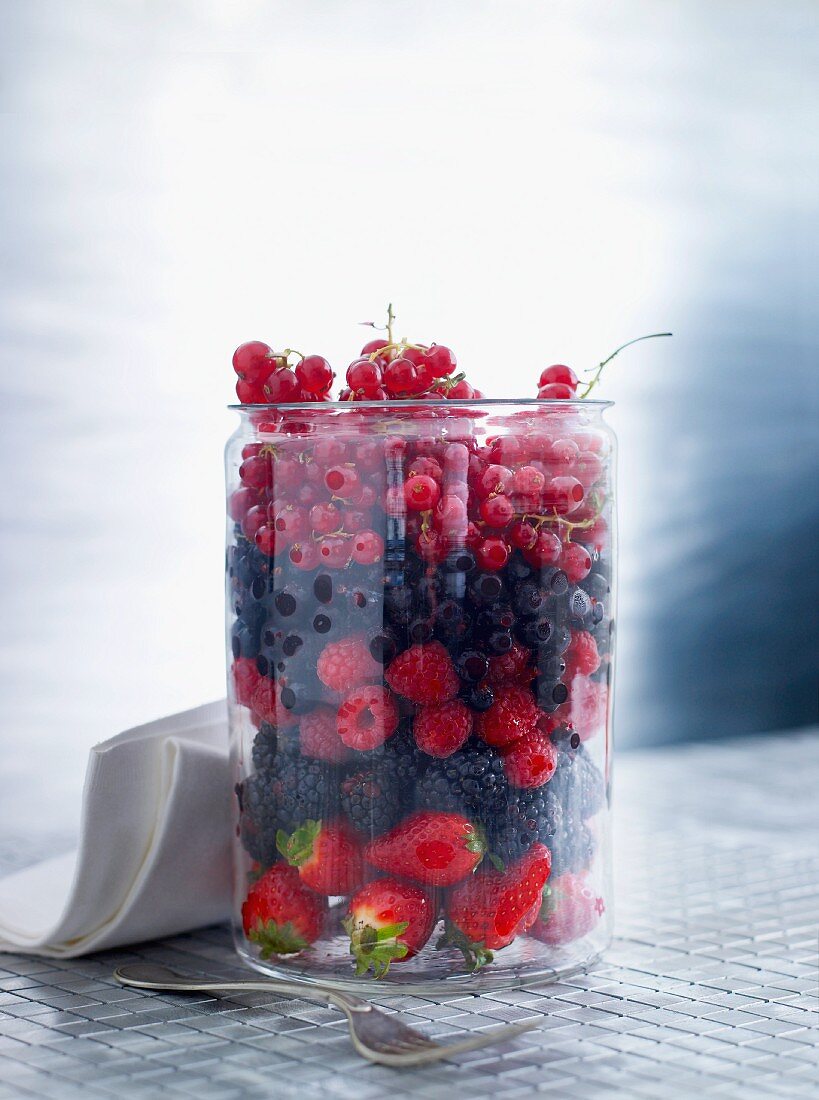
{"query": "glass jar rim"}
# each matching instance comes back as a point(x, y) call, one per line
point(460, 403)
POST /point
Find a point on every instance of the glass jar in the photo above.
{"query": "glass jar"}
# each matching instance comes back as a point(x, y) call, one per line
point(420, 647)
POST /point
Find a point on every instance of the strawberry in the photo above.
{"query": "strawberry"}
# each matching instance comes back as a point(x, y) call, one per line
point(328, 857)
point(486, 912)
point(569, 910)
point(388, 921)
point(437, 849)
point(281, 914)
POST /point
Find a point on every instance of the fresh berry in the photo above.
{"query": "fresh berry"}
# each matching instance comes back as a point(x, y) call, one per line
point(485, 912)
point(372, 800)
point(587, 706)
point(564, 495)
point(471, 782)
point(421, 493)
point(252, 361)
point(343, 482)
point(582, 655)
point(327, 856)
point(530, 761)
point(441, 729)
point(492, 553)
point(492, 480)
point(246, 680)
point(512, 667)
point(513, 714)
point(388, 921)
point(347, 664)
point(280, 914)
point(282, 386)
point(318, 736)
point(368, 547)
point(434, 848)
point(570, 909)
point(555, 391)
point(497, 511)
point(546, 550)
point(423, 674)
point(441, 360)
point(315, 375)
point(367, 717)
point(560, 374)
point(576, 562)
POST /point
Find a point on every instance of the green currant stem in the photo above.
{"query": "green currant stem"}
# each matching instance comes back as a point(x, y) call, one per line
point(598, 370)
point(390, 321)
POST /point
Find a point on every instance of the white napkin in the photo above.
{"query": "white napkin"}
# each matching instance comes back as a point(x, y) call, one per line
point(154, 851)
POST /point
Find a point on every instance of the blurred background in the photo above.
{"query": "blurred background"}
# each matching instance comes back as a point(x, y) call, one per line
point(529, 183)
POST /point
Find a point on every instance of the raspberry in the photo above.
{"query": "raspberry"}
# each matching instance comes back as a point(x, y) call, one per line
point(267, 703)
point(423, 674)
point(582, 655)
point(318, 736)
point(513, 714)
point(246, 679)
point(441, 730)
point(367, 717)
point(347, 664)
point(587, 706)
point(511, 667)
point(530, 761)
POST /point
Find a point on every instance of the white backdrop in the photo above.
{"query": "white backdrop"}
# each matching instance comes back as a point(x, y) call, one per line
point(528, 182)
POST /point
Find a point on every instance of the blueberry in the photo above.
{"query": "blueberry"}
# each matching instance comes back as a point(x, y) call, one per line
point(272, 634)
point(597, 586)
point(486, 588)
point(322, 623)
point(420, 630)
point(472, 666)
point(288, 599)
point(551, 693)
point(298, 697)
point(560, 639)
point(459, 561)
point(518, 569)
point(244, 640)
point(554, 581)
point(530, 599)
point(536, 632)
point(291, 644)
point(499, 642)
point(449, 615)
point(383, 644)
point(479, 697)
point(550, 666)
point(579, 605)
point(323, 588)
point(251, 612)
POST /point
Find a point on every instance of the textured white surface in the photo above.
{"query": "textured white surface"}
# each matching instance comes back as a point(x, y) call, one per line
point(710, 989)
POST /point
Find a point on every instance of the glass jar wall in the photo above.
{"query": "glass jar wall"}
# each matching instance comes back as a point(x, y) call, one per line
point(420, 647)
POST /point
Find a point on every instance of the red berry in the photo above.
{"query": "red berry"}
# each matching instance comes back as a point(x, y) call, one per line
point(528, 481)
point(442, 728)
point(265, 539)
point(356, 518)
point(522, 535)
point(461, 391)
point(256, 472)
point(373, 346)
point(564, 452)
point(343, 481)
point(402, 378)
point(576, 562)
point(246, 679)
point(304, 555)
point(424, 674)
point(328, 857)
point(451, 517)
point(555, 391)
point(424, 466)
point(291, 524)
point(364, 375)
point(282, 386)
point(588, 469)
point(559, 373)
point(546, 550)
point(582, 655)
point(388, 921)
point(252, 361)
point(570, 909)
point(250, 393)
point(436, 849)
point(315, 375)
point(280, 914)
point(421, 493)
point(368, 547)
point(512, 667)
point(255, 518)
point(588, 707)
point(347, 664)
point(240, 502)
point(564, 495)
point(334, 551)
point(492, 554)
point(530, 761)
point(513, 713)
point(497, 511)
point(268, 705)
point(329, 452)
point(493, 479)
point(487, 910)
point(367, 717)
point(318, 736)
point(441, 360)
point(324, 518)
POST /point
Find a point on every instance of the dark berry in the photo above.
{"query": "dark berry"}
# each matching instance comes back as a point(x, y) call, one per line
point(479, 697)
point(472, 666)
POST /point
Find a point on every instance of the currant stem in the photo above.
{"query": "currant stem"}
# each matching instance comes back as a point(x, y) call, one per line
point(598, 370)
point(390, 321)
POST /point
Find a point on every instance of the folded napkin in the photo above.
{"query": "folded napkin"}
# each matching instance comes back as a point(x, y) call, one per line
point(154, 851)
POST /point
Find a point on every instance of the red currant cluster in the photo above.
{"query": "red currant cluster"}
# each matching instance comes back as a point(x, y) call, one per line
point(265, 376)
point(387, 371)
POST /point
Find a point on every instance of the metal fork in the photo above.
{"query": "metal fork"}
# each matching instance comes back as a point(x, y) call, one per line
point(376, 1036)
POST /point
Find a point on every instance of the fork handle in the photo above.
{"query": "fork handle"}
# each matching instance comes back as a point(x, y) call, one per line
point(149, 976)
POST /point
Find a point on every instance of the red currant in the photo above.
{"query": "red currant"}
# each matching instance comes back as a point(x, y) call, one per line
point(304, 555)
point(441, 360)
point(265, 539)
point(421, 493)
point(356, 519)
point(492, 480)
point(564, 495)
point(497, 511)
point(255, 518)
point(403, 378)
point(522, 535)
point(546, 550)
point(564, 452)
point(249, 393)
point(368, 547)
point(315, 374)
point(461, 391)
point(373, 346)
point(291, 524)
point(364, 375)
point(256, 472)
point(282, 386)
point(342, 481)
point(555, 391)
point(576, 562)
point(251, 361)
point(240, 502)
point(588, 469)
point(425, 467)
point(528, 481)
point(450, 517)
point(559, 373)
point(324, 518)
point(329, 452)
point(334, 551)
point(492, 554)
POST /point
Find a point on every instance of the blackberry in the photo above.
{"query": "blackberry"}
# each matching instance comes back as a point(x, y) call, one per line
point(259, 820)
point(577, 781)
point(371, 800)
point(265, 745)
point(300, 789)
point(523, 822)
point(471, 782)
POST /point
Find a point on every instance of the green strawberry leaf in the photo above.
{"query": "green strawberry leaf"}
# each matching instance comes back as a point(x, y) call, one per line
point(475, 954)
point(375, 948)
point(475, 841)
point(298, 847)
point(277, 939)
